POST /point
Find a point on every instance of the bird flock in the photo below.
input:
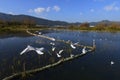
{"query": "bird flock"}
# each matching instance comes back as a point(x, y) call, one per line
point(40, 51)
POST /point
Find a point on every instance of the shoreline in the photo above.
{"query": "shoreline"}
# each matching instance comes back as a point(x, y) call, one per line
point(21, 30)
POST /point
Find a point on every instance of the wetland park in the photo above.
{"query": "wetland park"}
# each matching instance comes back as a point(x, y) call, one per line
point(51, 41)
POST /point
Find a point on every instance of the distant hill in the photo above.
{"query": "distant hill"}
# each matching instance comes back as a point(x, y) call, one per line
point(38, 21)
point(104, 21)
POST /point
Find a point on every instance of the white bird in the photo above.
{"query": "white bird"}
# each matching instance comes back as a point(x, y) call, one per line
point(39, 50)
point(52, 43)
point(112, 62)
point(58, 54)
point(53, 49)
point(27, 49)
point(76, 43)
point(72, 46)
point(60, 51)
point(30, 48)
point(83, 50)
point(53, 39)
point(39, 33)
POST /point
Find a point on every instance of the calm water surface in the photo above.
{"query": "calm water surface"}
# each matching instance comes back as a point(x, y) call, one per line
point(94, 66)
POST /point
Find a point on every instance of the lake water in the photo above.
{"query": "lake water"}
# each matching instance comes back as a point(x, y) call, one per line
point(93, 66)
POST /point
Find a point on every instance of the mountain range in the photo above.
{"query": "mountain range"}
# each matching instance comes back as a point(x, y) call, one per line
point(38, 21)
point(41, 21)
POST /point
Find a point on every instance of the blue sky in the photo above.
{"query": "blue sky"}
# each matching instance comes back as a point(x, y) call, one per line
point(65, 10)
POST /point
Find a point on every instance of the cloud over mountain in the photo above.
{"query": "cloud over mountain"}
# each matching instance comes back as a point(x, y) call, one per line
point(111, 7)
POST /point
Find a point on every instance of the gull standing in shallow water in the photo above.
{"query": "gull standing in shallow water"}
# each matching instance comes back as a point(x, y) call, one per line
point(53, 48)
point(84, 50)
point(112, 62)
point(30, 48)
point(39, 33)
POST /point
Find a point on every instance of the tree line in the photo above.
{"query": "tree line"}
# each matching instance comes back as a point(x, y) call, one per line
point(26, 22)
point(100, 26)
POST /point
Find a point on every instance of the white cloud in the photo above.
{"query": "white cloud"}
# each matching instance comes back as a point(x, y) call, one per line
point(92, 10)
point(11, 13)
point(48, 9)
point(56, 8)
point(111, 7)
point(39, 10)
